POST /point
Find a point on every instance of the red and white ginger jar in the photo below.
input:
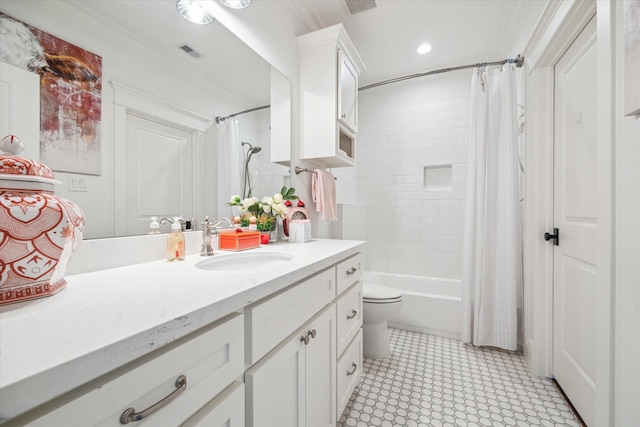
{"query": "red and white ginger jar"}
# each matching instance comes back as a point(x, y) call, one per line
point(38, 230)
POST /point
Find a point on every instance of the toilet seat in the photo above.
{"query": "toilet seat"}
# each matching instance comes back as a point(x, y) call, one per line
point(376, 294)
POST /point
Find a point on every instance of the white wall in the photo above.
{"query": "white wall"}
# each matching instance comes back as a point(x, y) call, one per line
point(402, 128)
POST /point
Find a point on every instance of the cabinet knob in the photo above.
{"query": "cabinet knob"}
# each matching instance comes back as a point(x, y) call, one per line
point(309, 335)
point(351, 271)
point(352, 315)
point(343, 116)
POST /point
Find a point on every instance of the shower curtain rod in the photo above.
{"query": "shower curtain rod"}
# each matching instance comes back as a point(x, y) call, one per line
point(518, 60)
point(250, 110)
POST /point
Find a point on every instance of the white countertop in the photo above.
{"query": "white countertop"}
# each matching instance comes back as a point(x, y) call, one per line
point(107, 318)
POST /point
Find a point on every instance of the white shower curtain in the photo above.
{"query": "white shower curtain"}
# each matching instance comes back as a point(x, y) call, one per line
point(492, 246)
point(229, 161)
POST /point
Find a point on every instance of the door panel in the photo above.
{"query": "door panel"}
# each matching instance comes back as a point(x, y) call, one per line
point(159, 174)
point(575, 215)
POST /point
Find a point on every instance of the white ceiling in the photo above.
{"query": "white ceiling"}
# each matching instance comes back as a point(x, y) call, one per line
point(461, 32)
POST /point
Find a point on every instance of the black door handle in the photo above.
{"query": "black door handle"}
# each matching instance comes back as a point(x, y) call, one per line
point(555, 236)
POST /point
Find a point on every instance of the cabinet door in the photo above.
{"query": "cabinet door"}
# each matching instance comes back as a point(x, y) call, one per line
point(226, 410)
point(321, 370)
point(348, 92)
point(276, 387)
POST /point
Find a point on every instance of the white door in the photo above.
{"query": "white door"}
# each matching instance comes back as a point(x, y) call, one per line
point(159, 173)
point(321, 371)
point(20, 107)
point(575, 216)
point(276, 387)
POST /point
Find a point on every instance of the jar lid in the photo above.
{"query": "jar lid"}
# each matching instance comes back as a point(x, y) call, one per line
point(14, 167)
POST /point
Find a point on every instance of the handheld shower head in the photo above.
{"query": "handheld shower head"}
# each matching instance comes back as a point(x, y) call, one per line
point(252, 149)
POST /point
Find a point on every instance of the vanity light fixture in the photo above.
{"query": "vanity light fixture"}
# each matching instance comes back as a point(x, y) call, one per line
point(194, 11)
point(424, 48)
point(236, 4)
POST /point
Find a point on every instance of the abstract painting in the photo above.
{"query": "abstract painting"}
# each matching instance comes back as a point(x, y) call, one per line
point(632, 57)
point(70, 94)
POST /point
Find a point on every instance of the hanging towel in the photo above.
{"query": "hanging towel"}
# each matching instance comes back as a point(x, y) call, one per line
point(323, 192)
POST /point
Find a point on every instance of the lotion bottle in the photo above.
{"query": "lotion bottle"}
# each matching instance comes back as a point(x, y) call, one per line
point(175, 241)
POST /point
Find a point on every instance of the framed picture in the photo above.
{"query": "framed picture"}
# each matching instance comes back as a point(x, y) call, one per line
point(70, 94)
point(631, 57)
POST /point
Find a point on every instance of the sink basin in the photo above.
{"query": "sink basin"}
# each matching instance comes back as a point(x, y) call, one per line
point(244, 261)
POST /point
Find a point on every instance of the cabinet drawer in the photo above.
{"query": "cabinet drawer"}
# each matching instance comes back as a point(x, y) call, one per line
point(226, 410)
point(349, 372)
point(349, 316)
point(211, 359)
point(349, 271)
point(272, 320)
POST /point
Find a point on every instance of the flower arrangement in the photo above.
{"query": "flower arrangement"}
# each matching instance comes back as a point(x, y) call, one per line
point(266, 211)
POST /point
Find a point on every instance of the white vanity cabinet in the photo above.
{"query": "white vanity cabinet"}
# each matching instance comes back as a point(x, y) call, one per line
point(295, 385)
point(186, 376)
point(329, 70)
point(349, 329)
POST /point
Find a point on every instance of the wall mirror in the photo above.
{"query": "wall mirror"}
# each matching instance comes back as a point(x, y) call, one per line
point(151, 56)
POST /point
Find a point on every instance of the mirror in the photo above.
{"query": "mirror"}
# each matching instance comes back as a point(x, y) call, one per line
point(202, 70)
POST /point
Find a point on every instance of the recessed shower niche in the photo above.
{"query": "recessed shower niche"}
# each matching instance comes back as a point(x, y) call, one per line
point(438, 178)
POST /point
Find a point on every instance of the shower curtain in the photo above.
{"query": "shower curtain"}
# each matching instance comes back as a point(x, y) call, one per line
point(229, 160)
point(492, 242)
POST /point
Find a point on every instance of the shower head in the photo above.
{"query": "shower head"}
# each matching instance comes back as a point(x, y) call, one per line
point(252, 149)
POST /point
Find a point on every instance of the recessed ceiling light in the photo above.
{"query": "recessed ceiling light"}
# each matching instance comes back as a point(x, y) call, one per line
point(236, 4)
point(194, 11)
point(424, 48)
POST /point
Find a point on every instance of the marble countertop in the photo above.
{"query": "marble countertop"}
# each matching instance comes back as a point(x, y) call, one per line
point(105, 319)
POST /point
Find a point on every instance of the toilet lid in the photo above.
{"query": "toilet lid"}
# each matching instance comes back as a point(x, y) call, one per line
point(376, 293)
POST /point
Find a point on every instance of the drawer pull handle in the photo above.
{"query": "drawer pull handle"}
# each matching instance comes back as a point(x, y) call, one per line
point(306, 338)
point(130, 414)
point(353, 369)
point(351, 271)
point(352, 315)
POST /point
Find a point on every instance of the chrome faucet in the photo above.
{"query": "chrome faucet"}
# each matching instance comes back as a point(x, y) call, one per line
point(208, 229)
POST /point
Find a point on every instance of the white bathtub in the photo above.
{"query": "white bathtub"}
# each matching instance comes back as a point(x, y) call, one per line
point(430, 304)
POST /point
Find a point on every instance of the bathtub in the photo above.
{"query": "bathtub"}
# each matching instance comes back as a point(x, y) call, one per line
point(430, 304)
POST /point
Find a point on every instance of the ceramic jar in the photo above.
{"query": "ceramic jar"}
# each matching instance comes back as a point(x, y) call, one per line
point(38, 230)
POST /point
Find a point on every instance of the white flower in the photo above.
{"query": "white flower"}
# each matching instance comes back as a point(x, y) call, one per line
point(235, 199)
point(277, 198)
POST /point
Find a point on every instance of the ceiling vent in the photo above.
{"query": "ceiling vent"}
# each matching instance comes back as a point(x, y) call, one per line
point(190, 51)
point(357, 6)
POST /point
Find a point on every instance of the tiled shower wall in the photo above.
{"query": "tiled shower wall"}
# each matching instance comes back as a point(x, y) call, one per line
point(409, 205)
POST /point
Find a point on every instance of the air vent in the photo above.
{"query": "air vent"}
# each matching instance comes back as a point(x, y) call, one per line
point(357, 6)
point(190, 51)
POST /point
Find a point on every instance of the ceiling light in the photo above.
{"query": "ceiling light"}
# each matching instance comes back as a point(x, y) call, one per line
point(194, 11)
point(236, 4)
point(424, 48)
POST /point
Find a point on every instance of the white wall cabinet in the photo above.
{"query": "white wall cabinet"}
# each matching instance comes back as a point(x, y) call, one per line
point(295, 385)
point(329, 70)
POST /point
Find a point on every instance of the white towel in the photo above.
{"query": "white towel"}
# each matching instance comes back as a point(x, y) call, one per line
point(323, 192)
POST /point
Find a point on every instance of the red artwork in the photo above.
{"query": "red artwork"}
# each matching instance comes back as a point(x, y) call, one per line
point(70, 94)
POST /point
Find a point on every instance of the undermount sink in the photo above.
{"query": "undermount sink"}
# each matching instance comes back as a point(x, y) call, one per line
point(244, 261)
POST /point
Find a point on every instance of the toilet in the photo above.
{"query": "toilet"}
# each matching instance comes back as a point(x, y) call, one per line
point(380, 303)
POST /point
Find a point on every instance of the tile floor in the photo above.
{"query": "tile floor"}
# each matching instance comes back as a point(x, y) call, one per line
point(434, 381)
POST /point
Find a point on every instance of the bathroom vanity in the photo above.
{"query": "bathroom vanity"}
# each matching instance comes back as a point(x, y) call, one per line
point(178, 344)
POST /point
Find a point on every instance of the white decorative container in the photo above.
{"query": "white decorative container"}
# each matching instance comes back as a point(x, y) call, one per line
point(38, 230)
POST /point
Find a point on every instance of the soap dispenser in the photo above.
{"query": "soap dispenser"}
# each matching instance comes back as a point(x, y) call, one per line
point(175, 241)
point(154, 227)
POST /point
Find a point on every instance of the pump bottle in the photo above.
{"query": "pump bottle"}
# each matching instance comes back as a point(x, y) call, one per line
point(175, 241)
